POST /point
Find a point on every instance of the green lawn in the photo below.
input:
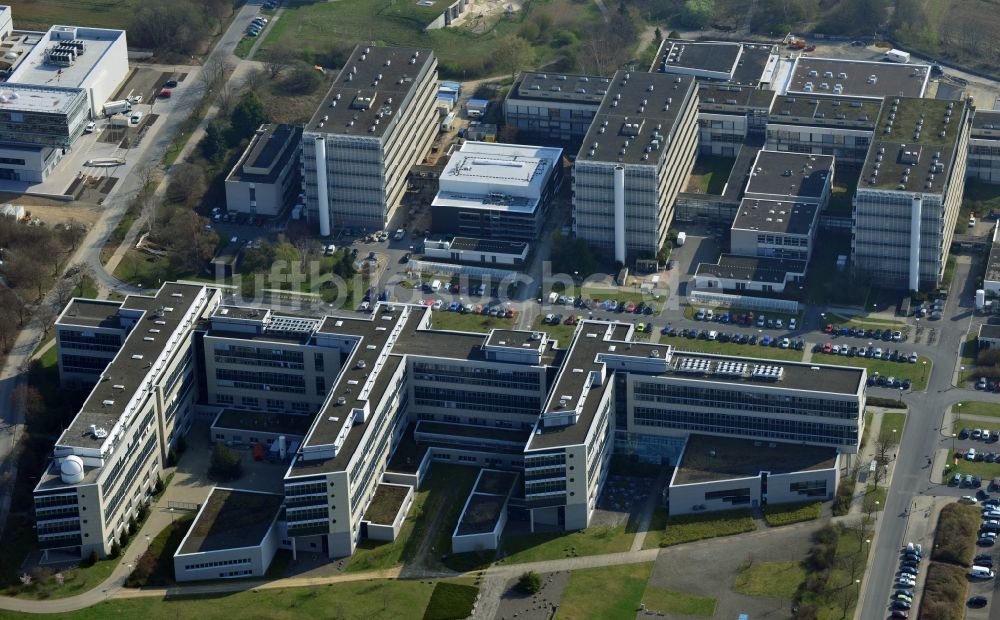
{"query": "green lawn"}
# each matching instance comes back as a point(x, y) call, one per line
point(620, 295)
point(665, 530)
point(456, 321)
point(558, 545)
point(608, 593)
point(384, 599)
point(970, 407)
point(310, 29)
point(75, 580)
point(451, 601)
point(786, 514)
point(673, 602)
point(450, 486)
point(40, 14)
point(777, 579)
point(443, 486)
point(562, 333)
point(710, 174)
point(163, 548)
point(918, 373)
point(893, 421)
point(975, 468)
point(244, 46)
point(728, 348)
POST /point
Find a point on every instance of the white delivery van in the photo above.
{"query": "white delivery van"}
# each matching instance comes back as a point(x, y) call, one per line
point(681, 238)
point(899, 56)
point(436, 285)
point(981, 572)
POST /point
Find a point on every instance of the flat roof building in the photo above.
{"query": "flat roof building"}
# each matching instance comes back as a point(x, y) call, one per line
point(984, 147)
point(746, 64)
point(477, 251)
point(822, 77)
point(266, 176)
point(729, 114)
point(496, 191)
point(838, 126)
point(910, 192)
point(634, 161)
point(553, 107)
point(394, 394)
point(376, 122)
point(795, 177)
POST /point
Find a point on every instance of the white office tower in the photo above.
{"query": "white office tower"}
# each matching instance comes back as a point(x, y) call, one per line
point(634, 161)
point(375, 123)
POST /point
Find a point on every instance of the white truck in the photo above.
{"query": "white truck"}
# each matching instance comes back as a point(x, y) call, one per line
point(114, 107)
point(899, 56)
point(681, 238)
point(448, 121)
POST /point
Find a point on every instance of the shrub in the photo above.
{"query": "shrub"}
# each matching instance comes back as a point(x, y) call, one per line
point(92, 558)
point(786, 514)
point(944, 592)
point(529, 582)
point(123, 539)
point(226, 463)
point(132, 526)
point(116, 549)
point(827, 535)
point(145, 567)
point(821, 557)
point(955, 539)
point(691, 527)
point(158, 487)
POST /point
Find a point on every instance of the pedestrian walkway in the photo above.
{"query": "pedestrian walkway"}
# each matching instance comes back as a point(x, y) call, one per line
point(652, 501)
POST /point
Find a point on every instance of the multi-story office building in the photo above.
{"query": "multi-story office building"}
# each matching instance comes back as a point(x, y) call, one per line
point(56, 82)
point(496, 191)
point(838, 126)
point(107, 460)
point(634, 161)
point(984, 147)
point(775, 229)
point(742, 64)
point(396, 395)
point(910, 192)
point(554, 108)
point(89, 333)
point(811, 76)
point(376, 122)
point(728, 114)
point(266, 176)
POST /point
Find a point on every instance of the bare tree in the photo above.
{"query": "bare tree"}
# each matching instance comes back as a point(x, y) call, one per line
point(278, 59)
point(64, 289)
point(255, 78)
point(45, 314)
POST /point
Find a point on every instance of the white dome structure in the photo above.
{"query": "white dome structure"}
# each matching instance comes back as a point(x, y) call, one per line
point(71, 469)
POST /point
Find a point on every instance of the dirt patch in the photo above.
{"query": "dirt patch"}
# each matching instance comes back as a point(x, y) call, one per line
point(53, 212)
point(538, 606)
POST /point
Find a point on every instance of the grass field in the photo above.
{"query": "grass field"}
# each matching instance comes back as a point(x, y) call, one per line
point(456, 321)
point(40, 14)
point(376, 599)
point(786, 514)
point(778, 579)
point(309, 28)
point(616, 294)
point(863, 322)
point(893, 421)
point(450, 601)
point(672, 602)
point(710, 174)
point(918, 373)
point(975, 468)
point(728, 348)
point(608, 593)
point(558, 545)
point(665, 530)
point(970, 407)
point(562, 333)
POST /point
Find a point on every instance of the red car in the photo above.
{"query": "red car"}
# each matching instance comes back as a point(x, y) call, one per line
point(811, 48)
point(165, 93)
point(827, 347)
point(828, 329)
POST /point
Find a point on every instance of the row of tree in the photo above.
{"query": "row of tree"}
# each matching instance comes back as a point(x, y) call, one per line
point(177, 26)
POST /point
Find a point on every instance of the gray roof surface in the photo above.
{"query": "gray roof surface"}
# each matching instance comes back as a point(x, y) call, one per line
point(562, 87)
point(847, 112)
point(623, 105)
point(716, 56)
point(106, 403)
point(732, 98)
point(91, 313)
point(902, 150)
point(497, 246)
point(360, 97)
point(481, 514)
point(986, 124)
point(891, 79)
point(740, 174)
point(230, 519)
point(793, 175)
point(512, 338)
point(278, 142)
point(264, 421)
point(711, 459)
point(793, 218)
point(993, 263)
point(753, 61)
point(752, 268)
point(989, 331)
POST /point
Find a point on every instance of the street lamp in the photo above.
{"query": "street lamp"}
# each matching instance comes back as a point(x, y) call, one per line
point(923, 373)
point(171, 514)
point(876, 511)
point(953, 442)
point(959, 418)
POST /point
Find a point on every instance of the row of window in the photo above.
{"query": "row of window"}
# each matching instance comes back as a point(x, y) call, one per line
point(269, 381)
point(744, 400)
point(217, 563)
point(426, 396)
point(748, 426)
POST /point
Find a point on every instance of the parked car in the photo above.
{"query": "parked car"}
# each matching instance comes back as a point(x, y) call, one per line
point(977, 602)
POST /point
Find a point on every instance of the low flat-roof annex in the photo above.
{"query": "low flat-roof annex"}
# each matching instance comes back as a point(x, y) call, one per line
point(231, 519)
point(810, 73)
point(795, 176)
point(713, 459)
point(792, 218)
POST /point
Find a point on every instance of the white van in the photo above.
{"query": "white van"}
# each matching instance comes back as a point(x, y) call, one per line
point(435, 285)
point(135, 118)
point(981, 572)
